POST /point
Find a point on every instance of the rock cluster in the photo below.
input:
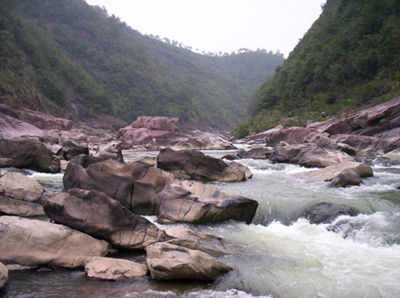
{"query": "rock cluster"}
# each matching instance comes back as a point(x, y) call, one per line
point(156, 133)
point(152, 191)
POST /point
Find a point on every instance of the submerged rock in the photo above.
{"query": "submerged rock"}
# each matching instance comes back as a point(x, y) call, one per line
point(195, 165)
point(98, 215)
point(29, 242)
point(324, 212)
point(114, 269)
point(171, 262)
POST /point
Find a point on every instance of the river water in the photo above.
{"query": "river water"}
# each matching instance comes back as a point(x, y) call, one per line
point(279, 255)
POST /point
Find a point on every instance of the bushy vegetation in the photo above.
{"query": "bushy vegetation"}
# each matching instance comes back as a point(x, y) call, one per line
point(349, 58)
point(69, 58)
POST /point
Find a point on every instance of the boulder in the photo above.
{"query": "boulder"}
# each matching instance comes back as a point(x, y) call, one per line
point(104, 175)
point(324, 212)
point(241, 168)
point(11, 206)
point(309, 155)
point(73, 148)
point(45, 121)
point(210, 244)
point(364, 145)
point(394, 156)
point(345, 178)
point(211, 141)
point(114, 269)
point(39, 243)
point(3, 275)
point(329, 173)
point(291, 135)
point(28, 153)
point(171, 262)
point(20, 195)
point(18, 186)
point(153, 138)
point(180, 200)
point(195, 165)
point(255, 152)
point(11, 127)
point(229, 157)
point(157, 123)
point(112, 151)
point(156, 133)
point(98, 215)
point(151, 191)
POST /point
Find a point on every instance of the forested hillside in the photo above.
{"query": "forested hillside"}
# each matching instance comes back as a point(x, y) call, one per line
point(70, 59)
point(349, 58)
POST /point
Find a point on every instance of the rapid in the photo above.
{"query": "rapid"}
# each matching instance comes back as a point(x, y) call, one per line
point(280, 255)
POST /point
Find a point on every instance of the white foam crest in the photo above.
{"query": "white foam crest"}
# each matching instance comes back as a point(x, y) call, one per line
point(321, 262)
point(231, 293)
point(378, 229)
point(39, 175)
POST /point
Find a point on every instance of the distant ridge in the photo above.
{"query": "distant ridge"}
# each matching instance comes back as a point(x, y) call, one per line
point(73, 60)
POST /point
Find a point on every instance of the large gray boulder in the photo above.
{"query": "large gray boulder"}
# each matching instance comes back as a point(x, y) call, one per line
point(114, 269)
point(329, 173)
point(309, 155)
point(171, 262)
point(195, 165)
point(210, 244)
point(10, 206)
point(33, 243)
point(28, 153)
point(18, 186)
point(3, 275)
point(20, 195)
point(112, 150)
point(151, 191)
point(255, 151)
point(98, 215)
point(343, 174)
point(73, 148)
point(346, 178)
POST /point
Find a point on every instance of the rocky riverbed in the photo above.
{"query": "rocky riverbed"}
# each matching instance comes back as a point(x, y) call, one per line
point(100, 211)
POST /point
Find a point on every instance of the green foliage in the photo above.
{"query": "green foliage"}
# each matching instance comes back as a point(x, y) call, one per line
point(71, 57)
point(349, 58)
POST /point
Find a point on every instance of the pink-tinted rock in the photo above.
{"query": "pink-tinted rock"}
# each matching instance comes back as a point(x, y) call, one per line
point(45, 121)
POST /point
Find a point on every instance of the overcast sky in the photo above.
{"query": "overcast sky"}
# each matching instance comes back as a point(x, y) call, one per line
point(220, 25)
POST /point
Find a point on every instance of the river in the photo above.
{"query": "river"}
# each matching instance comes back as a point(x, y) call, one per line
point(279, 255)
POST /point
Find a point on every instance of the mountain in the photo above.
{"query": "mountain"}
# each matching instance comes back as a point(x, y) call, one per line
point(349, 58)
point(70, 59)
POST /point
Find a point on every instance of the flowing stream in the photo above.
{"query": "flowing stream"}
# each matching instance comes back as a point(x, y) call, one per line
point(279, 255)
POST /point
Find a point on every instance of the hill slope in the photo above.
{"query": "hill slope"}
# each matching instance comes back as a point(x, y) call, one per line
point(349, 58)
point(70, 59)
